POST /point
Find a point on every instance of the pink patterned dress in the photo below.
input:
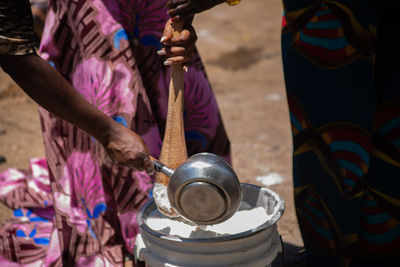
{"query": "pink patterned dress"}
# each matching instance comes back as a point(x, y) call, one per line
point(85, 214)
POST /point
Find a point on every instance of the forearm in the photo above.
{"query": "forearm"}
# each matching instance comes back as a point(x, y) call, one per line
point(50, 90)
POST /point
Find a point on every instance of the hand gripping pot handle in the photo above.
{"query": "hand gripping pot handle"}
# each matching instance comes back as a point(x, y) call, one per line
point(158, 166)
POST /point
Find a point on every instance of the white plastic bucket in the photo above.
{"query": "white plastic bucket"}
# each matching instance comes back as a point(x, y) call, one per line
point(254, 248)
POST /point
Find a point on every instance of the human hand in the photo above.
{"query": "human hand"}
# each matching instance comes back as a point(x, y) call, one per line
point(178, 48)
point(187, 8)
point(128, 149)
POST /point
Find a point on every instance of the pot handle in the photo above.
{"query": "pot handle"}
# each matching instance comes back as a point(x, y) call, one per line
point(158, 166)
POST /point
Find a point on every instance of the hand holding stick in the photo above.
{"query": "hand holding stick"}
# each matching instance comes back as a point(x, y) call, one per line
point(173, 151)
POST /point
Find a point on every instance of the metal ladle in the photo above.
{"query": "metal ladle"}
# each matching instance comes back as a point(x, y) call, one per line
point(204, 189)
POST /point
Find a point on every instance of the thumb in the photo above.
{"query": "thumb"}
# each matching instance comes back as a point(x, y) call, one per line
point(148, 165)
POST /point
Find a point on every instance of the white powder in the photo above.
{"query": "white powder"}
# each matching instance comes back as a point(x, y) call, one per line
point(160, 195)
point(241, 221)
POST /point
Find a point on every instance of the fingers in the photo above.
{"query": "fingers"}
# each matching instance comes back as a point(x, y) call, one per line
point(175, 3)
point(177, 60)
point(178, 49)
point(172, 51)
point(143, 161)
point(148, 165)
point(186, 36)
point(126, 148)
point(177, 55)
point(139, 161)
point(182, 8)
point(182, 11)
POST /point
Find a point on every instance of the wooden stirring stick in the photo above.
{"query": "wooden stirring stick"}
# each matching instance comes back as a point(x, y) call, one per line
point(173, 150)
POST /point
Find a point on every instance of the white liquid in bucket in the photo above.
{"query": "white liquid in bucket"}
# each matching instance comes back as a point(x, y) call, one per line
point(241, 221)
point(249, 238)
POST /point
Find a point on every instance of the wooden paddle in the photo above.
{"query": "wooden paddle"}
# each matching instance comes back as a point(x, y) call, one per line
point(173, 150)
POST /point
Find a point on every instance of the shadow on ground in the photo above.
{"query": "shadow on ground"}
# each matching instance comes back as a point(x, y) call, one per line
point(241, 58)
point(291, 256)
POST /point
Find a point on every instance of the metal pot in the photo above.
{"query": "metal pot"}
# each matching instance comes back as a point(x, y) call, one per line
point(204, 189)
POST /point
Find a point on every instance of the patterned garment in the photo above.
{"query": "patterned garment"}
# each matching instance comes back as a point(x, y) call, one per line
point(107, 50)
point(342, 79)
point(16, 31)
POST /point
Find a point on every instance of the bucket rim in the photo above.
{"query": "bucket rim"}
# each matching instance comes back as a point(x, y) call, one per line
point(271, 222)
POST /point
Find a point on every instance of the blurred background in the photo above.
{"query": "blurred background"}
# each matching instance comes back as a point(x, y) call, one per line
point(240, 47)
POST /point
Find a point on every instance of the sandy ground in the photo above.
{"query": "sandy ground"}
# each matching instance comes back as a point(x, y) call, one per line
point(240, 47)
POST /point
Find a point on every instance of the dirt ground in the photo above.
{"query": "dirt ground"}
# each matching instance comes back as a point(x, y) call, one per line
point(240, 47)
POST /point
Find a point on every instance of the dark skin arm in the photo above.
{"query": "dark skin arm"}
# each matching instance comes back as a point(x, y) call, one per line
point(50, 90)
point(187, 8)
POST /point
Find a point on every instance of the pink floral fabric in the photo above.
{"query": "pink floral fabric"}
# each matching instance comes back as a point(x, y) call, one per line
point(25, 238)
point(84, 209)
